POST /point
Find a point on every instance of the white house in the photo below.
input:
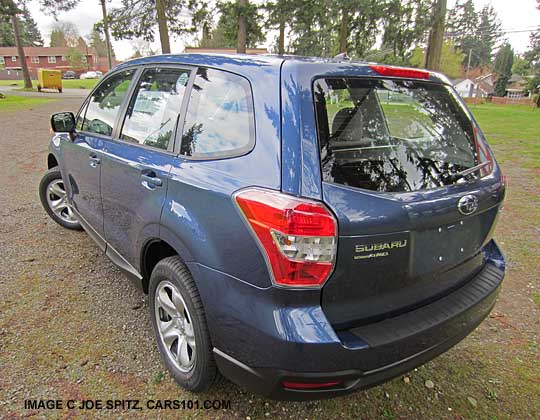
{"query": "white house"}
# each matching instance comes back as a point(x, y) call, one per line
point(465, 87)
point(479, 88)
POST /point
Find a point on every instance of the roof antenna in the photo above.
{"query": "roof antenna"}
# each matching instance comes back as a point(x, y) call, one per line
point(342, 57)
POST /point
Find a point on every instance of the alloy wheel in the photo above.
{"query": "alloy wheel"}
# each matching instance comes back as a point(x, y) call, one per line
point(175, 326)
point(58, 202)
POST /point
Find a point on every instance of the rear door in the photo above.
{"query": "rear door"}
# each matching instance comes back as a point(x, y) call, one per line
point(83, 156)
point(137, 161)
point(412, 221)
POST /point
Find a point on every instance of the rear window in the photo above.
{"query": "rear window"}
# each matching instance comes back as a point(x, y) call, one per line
point(390, 135)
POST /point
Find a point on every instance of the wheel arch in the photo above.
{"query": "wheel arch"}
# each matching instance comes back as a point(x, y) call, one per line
point(155, 250)
point(52, 162)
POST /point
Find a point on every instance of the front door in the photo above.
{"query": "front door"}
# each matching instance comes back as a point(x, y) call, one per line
point(137, 162)
point(83, 156)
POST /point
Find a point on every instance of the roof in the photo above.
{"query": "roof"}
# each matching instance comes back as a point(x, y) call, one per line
point(486, 86)
point(224, 50)
point(42, 51)
point(257, 65)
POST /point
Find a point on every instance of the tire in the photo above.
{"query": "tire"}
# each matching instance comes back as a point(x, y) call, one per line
point(171, 278)
point(48, 195)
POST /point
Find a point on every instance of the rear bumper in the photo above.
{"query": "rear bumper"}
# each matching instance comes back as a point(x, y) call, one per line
point(310, 351)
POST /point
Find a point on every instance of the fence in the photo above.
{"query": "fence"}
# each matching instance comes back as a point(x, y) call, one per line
point(497, 100)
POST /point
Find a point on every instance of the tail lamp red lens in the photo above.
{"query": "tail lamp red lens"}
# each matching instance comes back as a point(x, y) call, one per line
point(309, 385)
point(483, 152)
point(392, 71)
point(297, 235)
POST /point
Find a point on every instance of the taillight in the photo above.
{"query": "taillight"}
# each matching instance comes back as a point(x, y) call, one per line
point(392, 71)
point(298, 236)
point(484, 154)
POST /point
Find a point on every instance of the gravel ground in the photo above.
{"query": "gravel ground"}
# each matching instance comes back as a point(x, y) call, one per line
point(73, 327)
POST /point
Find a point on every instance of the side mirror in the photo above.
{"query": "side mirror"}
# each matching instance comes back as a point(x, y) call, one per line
point(63, 122)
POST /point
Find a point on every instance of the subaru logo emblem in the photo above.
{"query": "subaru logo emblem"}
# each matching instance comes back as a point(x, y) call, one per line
point(467, 204)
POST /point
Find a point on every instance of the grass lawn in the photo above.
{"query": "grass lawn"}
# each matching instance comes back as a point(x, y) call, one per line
point(67, 84)
point(494, 374)
point(15, 103)
point(513, 130)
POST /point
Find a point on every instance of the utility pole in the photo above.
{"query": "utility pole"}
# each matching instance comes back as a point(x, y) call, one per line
point(242, 27)
point(436, 36)
point(468, 64)
point(106, 29)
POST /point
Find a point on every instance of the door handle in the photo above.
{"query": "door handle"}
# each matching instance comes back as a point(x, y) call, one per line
point(93, 159)
point(151, 179)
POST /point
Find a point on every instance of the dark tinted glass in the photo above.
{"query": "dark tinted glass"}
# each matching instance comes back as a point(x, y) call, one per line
point(387, 135)
point(219, 120)
point(154, 109)
point(105, 103)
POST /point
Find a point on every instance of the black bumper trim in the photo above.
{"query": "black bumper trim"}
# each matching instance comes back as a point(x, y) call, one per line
point(436, 313)
point(397, 345)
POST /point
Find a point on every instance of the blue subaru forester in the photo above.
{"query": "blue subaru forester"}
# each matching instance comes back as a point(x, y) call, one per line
point(306, 227)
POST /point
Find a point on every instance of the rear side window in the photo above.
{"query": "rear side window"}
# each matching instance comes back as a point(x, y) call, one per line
point(219, 120)
point(154, 109)
point(104, 104)
point(390, 135)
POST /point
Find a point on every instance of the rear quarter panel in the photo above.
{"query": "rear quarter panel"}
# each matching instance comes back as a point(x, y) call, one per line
point(199, 217)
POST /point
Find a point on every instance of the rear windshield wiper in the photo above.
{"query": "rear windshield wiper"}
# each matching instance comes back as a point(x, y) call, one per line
point(468, 171)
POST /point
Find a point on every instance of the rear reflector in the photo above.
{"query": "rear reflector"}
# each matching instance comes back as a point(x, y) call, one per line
point(309, 385)
point(392, 71)
point(298, 236)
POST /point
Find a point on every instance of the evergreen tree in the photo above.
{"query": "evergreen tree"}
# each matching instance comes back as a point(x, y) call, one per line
point(364, 22)
point(97, 42)
point(279, 13)
point(225, 33)
point(533, 54)
point(475, 33)
point(30, 35)
point(138, 18)
point(488, 33)
point(405, 23)
point(311, 28)
point(503, 68)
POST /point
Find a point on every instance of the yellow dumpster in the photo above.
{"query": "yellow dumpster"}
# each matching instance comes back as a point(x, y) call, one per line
point(49, 79)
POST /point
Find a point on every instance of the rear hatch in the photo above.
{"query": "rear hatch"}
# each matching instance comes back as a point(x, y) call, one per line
point(414, 187)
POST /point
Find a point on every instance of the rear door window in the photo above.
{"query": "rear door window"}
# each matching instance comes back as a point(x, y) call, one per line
point(219, 119)
point(391, 135)
point(105, 102)
point(153, 112)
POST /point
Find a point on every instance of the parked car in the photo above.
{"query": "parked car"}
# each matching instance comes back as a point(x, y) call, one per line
point(89, 75)
point(99, 74)
point(306, 227)
point(70, 74)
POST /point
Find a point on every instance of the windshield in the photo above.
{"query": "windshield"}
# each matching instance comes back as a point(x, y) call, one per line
point(393, 135)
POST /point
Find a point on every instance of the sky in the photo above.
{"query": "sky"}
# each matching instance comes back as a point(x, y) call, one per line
point(515, 15)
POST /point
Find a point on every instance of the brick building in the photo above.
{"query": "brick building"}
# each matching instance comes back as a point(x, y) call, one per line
point(43, 57)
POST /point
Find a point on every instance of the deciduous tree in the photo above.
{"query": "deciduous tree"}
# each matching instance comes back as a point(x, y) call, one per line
point(451, 59)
